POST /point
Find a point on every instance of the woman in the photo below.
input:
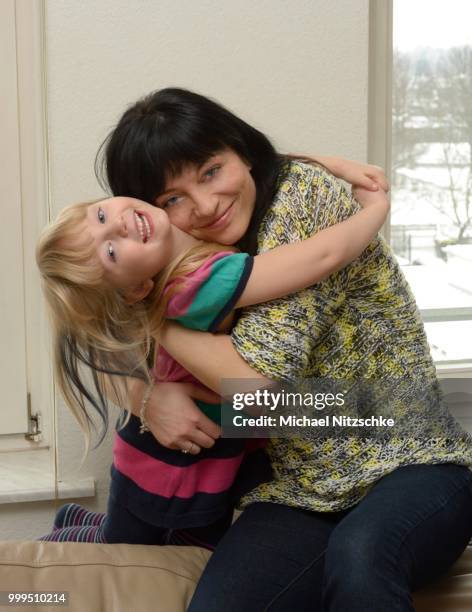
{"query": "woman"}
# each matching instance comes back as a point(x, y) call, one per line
point(342, 524)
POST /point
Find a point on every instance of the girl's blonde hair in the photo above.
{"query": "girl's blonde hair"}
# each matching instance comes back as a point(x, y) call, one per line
point(93, 324)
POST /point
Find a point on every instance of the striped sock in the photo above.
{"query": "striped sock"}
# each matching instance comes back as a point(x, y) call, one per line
point(73, 515)
point(89, 533)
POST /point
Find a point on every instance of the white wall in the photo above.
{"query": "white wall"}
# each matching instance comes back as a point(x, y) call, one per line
point(296, 70)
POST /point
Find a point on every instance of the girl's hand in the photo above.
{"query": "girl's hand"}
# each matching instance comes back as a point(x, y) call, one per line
point(356, 173)
point(362, 175)
point(366, 197)
point(176, 421)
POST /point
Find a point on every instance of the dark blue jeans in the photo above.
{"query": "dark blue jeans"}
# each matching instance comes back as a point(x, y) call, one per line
point(408, 530)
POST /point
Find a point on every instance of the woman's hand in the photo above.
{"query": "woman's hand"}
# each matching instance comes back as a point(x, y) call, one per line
point(176, 421)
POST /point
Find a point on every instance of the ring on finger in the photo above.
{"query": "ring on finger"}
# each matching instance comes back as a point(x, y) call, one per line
point(185, 451)
point(194, 448)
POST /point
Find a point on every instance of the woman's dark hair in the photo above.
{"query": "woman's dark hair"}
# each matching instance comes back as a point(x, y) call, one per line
point(170, 128)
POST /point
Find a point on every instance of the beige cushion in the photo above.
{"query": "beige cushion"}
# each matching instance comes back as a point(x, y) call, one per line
point(124, 578)
point(104, 577)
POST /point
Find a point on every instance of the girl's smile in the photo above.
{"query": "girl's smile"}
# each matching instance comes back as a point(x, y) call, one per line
point(144, 225)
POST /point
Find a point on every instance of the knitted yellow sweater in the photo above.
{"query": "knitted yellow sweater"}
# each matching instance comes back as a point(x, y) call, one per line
point(360, 323)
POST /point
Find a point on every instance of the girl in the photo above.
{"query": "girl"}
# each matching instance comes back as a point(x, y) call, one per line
point(111, 271)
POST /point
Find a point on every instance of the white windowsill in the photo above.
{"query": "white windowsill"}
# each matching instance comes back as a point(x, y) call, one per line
point(29, 476)
point(454, 369)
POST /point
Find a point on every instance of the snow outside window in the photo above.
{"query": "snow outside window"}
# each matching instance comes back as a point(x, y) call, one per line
point(431, 161)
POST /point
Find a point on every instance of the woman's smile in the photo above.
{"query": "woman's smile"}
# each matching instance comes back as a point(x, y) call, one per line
point(220, 222)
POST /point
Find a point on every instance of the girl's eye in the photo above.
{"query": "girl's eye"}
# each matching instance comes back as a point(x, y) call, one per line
point(101, 215)
point(111, 251)
point(212, 171)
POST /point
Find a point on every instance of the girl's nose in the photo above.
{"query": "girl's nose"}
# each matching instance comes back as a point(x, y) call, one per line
point(120, 227)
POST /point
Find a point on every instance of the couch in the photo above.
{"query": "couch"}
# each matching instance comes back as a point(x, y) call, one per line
point(125, 578)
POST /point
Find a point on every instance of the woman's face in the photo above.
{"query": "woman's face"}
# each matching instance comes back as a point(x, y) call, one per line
point(213, 202)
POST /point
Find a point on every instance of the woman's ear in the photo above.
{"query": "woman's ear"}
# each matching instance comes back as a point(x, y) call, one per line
point(139, 292)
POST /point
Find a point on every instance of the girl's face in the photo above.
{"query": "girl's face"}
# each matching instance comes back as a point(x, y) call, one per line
point(133, 240)
point(213, 202)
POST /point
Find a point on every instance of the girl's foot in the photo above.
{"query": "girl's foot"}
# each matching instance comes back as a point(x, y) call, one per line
point(73, 515)
point(89, 533)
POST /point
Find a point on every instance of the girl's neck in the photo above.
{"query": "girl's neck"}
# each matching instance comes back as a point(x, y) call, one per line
point(181, 241)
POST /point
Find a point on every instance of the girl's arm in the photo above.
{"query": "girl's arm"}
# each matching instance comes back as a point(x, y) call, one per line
point(356, 173)
point(212, 357)
point(293, 267)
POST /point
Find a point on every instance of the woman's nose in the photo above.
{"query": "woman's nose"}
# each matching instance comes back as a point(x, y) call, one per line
point(204, 206)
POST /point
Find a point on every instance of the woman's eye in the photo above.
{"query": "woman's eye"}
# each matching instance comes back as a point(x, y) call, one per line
point(212, 171)
point(101, 215)
point(111, 252)
point(171, 201)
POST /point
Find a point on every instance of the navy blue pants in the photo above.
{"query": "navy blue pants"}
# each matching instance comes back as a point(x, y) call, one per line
point(406, 532)
point(120, 525)
point(73, 523)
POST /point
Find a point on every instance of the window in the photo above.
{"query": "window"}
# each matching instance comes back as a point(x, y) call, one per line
point(25, 360)
point(428, 130)
point(25, 371)
point(12, 304)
